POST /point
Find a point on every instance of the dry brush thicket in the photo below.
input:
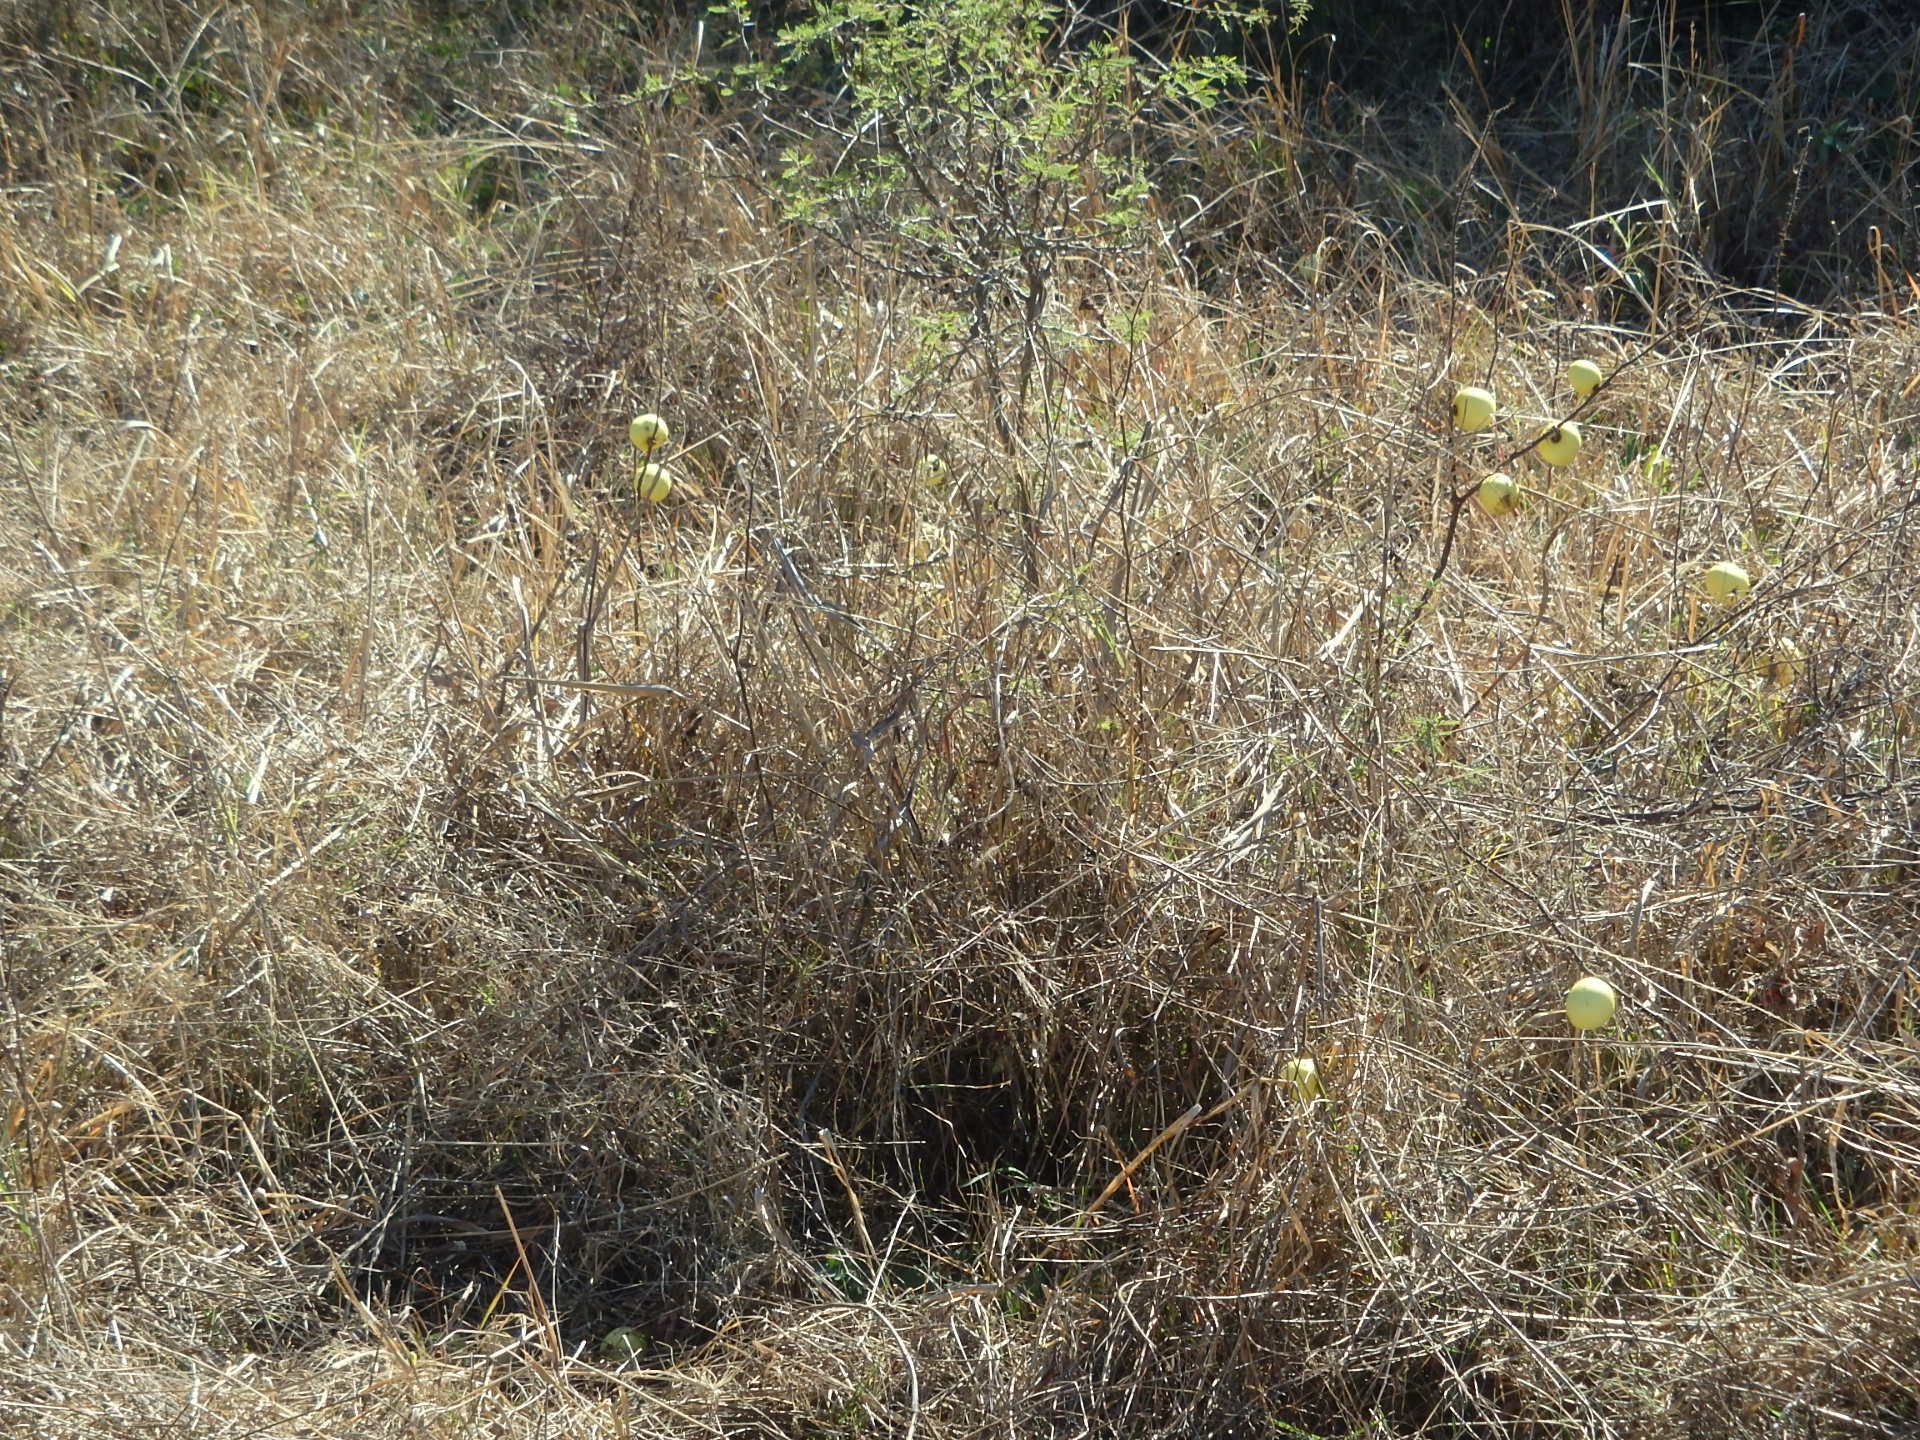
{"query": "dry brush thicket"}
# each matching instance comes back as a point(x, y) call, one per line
point(840, 929)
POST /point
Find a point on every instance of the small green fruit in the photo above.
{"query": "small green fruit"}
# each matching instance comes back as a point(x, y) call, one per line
point(1473, 408)
point(621, 1346)
point(1726, 581)
point(654, 482)
point(1302, 1077)
point(1498, 495)
point(1585, 377)
point(1591, 1003)
point(1562, 445)
point(648, 433)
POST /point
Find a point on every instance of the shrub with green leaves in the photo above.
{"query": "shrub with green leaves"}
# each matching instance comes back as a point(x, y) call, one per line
point(983, 144)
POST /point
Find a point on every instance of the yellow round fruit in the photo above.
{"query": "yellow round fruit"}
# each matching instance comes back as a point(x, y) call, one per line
point(1498, 495)
point(1473, 408)
point(1780, 669)
point(1585, 377)
point(1591, 1003)
point(654, 482)
point(648, 433)
point(1302, 1077)
point(1562, 445)
point(1726, 581)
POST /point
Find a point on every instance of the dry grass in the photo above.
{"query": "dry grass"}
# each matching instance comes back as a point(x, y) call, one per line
point(845, 924)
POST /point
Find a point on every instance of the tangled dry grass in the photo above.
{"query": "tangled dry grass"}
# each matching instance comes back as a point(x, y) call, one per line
point(814, 958)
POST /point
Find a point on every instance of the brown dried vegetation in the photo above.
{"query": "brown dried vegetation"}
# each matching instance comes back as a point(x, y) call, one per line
point(840, 929)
